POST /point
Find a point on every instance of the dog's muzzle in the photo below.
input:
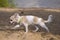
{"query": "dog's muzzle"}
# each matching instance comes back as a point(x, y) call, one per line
point(11, 22)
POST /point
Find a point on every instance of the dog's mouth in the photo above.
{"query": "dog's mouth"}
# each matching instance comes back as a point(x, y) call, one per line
point(12, 22)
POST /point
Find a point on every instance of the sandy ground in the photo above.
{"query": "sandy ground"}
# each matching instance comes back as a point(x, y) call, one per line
point(9, 34)
point(20, 35)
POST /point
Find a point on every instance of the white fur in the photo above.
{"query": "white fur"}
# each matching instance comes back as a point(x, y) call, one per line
point(30, 18)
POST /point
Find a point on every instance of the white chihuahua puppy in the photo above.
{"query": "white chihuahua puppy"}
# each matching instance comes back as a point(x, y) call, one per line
point(29, 19)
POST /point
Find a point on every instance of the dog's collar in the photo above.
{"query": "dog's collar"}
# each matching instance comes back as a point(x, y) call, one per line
point(19, 20)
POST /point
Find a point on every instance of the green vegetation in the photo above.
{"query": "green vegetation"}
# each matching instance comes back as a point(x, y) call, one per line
point(6, 3)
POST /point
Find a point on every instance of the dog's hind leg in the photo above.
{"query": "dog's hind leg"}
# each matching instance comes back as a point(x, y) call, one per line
point(36, 29)
point(44, 26)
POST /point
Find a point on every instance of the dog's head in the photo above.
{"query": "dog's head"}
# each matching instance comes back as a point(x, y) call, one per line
point(15, 18)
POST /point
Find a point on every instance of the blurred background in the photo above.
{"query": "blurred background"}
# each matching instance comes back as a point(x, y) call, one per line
point(30, 3)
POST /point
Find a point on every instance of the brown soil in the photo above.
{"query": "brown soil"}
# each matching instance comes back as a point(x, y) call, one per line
point(9, 34)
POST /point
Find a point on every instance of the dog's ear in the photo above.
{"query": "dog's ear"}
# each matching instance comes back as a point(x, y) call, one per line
point(16, 15)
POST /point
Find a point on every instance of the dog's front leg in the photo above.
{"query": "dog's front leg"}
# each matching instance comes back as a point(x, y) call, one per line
point(26, 26)
point(15, 27)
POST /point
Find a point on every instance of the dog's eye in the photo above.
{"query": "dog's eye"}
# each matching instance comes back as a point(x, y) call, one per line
point(10, 20)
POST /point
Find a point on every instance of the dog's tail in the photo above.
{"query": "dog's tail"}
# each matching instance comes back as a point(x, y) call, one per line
point(50, 18)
